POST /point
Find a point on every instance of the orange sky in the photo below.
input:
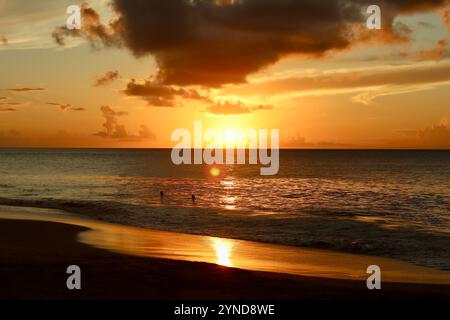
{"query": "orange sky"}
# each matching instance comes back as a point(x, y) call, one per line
point(231, 65)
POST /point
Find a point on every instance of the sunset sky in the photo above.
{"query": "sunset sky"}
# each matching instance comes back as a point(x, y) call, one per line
point(137, 70)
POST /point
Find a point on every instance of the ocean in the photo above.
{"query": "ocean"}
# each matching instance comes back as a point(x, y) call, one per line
point(379, 202)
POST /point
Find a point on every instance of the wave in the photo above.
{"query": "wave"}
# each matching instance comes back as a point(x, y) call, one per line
point(341, 232)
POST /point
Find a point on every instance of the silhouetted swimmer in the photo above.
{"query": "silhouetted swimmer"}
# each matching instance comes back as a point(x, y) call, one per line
point(161, 194)
point(193, 198)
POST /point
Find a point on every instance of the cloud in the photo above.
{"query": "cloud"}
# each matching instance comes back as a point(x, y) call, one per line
point(159, 95)
point(114, 130)
point(446, 16)
point(66, 107)
point(92, 29)
point(27, 23)
point(25, 89)
point(436, 136)
point(146, 133)
point(368, 83)
point(294, 141)
point(61, 32)
point(436, 53)
point(397, 33)
point(55, 139)
point(106, 79)
point(3, 40)
point(7, 109)
point(11, 103)
point(232, 108)
point(211, 43)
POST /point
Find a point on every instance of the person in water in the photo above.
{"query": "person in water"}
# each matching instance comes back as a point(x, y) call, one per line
point(161, 194)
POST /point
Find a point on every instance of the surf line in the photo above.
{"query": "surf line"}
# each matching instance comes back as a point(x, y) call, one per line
point(208, 147)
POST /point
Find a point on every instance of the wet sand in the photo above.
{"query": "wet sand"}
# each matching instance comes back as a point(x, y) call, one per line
point(34, 256)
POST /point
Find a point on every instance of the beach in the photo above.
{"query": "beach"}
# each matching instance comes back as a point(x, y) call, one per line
point(35, 255)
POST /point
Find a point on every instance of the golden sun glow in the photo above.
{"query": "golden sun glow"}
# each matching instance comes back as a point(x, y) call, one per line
point(230, 137)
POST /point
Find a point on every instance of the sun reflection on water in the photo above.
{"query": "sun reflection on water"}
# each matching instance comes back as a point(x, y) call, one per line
point(229, 199)
point(229, 203)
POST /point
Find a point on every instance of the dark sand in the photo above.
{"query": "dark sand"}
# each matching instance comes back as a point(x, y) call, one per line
point(34, 256)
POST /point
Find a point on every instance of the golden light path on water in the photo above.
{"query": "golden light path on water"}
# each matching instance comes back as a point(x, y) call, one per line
point(229, 252)
point(228, 200)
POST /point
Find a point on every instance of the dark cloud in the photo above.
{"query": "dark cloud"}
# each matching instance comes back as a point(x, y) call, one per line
point(238, 107)
point(159, 95)
point(210, 42)
point(25, 89)
point(66, 107)
point(60, 33)
point(3, 40)
point(7, 109)
point(3, 98)
point(114, 130)
point(106, 79)
point(200, 42)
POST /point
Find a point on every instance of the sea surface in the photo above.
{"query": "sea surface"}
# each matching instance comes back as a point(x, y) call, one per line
point(385, 203)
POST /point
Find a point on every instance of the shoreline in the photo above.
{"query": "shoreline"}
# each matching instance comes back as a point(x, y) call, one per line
point(36, 265)
point(243, 254)
point(37, 254)
point(149, 220)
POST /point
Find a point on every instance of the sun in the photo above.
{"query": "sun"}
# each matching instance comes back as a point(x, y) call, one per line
point(214, 171)
point(230, 136)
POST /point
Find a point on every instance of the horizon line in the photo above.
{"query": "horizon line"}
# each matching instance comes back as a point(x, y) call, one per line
point(284, 149)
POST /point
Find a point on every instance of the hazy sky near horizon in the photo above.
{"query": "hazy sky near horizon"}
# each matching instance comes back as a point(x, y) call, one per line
point(137, 70)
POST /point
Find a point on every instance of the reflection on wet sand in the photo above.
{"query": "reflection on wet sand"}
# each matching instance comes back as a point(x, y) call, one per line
point(223, 248)
point(231, 253)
